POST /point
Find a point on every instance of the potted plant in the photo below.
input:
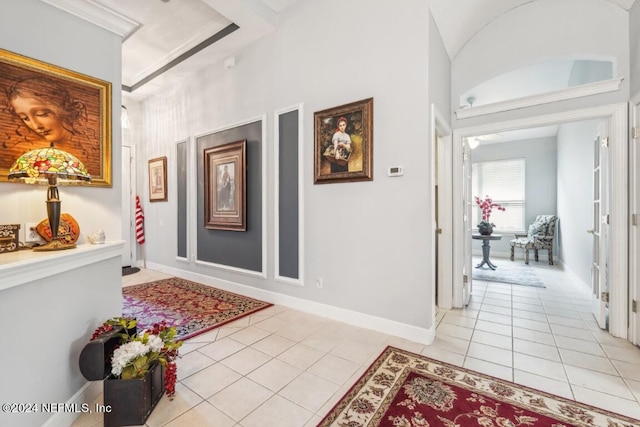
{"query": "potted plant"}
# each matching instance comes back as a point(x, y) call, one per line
point(137, 368)
point(486, 205)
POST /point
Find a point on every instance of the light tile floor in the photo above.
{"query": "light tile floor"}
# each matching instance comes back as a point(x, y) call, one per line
point(282, 367)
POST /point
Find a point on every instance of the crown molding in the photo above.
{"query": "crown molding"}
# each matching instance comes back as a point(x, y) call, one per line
point(546, 98)
point(97, 14)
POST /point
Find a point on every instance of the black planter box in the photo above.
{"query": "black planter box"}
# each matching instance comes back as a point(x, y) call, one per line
point(126, 402)
point(130, 402)
point(95, 357)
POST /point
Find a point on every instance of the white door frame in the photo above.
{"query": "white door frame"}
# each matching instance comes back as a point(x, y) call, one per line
point(634, 210)
point(618, 251)
point(128, 188)
point(441, 135)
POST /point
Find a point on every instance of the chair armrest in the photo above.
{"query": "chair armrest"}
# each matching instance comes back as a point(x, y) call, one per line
point(518, 235)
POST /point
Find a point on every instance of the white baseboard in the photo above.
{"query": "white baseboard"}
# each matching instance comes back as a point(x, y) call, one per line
point(573, 275)
point(387, 326)
point(86, 395)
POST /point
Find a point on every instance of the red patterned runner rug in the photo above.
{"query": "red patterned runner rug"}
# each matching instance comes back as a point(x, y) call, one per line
point(192, 307)
point(403, 389)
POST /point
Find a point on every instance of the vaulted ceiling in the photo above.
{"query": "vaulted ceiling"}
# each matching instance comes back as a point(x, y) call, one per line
point(170, 39)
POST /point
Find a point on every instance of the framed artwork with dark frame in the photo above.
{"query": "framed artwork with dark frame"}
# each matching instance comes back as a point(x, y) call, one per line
point(225, 186)
point(343, 146)
point(42, 104)
point(158, 179)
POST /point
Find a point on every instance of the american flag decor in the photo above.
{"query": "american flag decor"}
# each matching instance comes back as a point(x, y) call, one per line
point(139, 222)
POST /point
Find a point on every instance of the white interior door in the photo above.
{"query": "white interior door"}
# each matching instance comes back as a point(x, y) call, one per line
point(634, 235)
point(127, 205)
point(467, 271)
point(599, 273)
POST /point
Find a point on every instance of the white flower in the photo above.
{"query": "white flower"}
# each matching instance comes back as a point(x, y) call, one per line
point(124, 355)
point(155, 343)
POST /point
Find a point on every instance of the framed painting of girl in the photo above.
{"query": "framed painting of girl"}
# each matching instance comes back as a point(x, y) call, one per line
point(343, 146)
point(42, 104)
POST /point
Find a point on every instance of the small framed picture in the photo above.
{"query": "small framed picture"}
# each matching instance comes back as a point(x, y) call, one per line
point(158, 179)
point(225, 186)
point(343, 149)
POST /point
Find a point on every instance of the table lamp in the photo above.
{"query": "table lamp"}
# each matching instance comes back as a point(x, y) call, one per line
point(50, 164)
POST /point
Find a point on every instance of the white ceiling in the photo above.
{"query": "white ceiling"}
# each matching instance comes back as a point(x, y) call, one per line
point(459, 20)
point(167, 40)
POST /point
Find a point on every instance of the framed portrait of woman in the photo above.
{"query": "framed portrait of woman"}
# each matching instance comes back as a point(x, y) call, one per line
point(225, 186)
point(42, 104)
point(343, 145)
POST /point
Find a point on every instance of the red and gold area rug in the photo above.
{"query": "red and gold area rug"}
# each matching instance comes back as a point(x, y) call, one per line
point(403, 389)
point(193, 308)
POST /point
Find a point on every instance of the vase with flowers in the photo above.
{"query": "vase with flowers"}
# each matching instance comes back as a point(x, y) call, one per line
point(486, 205)
point(138, 368)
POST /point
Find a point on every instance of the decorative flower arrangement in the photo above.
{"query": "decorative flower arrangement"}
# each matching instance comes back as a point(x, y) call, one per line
point(486, 206)
point(136, 354)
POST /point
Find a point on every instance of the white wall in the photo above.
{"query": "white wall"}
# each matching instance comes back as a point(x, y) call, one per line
point(540, 179)
point(439, 70)
point(49, 319)
point(324, 54)
point(539, 31)
point(575, 196)
point(58, 38)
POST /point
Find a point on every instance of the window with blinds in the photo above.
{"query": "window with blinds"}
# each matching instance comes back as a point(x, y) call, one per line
point(504, 182)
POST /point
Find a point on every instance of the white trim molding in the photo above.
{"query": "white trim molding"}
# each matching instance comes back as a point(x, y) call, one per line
point(20, 267)
point(588, 89)
point(99, 15)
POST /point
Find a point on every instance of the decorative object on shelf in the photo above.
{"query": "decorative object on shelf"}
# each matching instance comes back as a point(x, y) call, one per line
point(97, 238)
point(158, 179)
point(137, 368)
point(68, 230)
point(343, 146)
point(225, 186)
point(78, 116)
point(9, 240)
point(50, 164)
point(486, 205)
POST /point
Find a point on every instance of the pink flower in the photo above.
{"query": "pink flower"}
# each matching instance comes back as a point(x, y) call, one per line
point(486, 206)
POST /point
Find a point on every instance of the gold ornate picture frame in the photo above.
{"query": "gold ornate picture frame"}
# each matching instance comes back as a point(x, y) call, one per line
point(343, 143)
point(41, 104)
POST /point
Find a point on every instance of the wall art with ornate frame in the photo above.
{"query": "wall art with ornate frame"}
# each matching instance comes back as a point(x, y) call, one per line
point(225, 186)
point(343, 146)
point(158, 179)
point(42, 104)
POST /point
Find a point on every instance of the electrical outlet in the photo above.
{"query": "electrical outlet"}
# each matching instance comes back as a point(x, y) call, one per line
point(30, 233)
point(319, 282)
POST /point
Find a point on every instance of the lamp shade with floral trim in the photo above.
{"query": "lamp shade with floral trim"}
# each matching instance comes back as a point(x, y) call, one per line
point(41, 162)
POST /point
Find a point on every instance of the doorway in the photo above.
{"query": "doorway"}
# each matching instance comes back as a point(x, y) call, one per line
point(442, 199)
point(616, 118)
point(128, 205)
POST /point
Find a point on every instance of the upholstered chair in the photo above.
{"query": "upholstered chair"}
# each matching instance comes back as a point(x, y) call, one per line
point(540, 236)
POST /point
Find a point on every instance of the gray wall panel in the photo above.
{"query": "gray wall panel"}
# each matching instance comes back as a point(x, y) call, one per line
point(288, 195)
point(181, 164)
point(234, 248)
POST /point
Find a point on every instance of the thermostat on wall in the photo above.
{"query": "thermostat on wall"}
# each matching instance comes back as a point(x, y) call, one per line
point(395, 171)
